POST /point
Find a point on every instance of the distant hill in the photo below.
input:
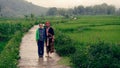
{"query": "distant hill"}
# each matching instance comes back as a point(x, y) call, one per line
point(19, 8)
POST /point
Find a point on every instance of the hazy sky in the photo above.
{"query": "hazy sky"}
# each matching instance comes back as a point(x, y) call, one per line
point(72, 3)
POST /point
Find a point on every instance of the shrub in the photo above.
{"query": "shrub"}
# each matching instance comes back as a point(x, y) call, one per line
point(62, 39)
point(105, 55)
point(80, 59)
point(64, 44)
point(101, 55)
point(12, 34)
point(65, 50)
point(10, 54)
point(2, 45)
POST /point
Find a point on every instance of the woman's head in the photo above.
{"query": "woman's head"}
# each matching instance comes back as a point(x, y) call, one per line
point(47, 24)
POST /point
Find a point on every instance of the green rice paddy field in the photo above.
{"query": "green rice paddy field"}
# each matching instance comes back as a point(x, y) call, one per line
point(86, 31)
point(91, 29)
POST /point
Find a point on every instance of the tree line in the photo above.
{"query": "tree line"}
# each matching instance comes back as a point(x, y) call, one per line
point(102, 9)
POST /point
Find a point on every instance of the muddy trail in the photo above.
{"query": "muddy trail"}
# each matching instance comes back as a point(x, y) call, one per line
point(29, 56)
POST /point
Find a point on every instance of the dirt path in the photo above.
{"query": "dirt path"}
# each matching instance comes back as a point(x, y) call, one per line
point(29, 55)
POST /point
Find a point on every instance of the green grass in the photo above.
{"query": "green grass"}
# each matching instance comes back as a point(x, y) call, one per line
point(89, 30)
point(2, 45)
point(65, 61)
point(11, 32)
point(108, 33)
point(95, 36)
point(10, 55)
point(84, 30)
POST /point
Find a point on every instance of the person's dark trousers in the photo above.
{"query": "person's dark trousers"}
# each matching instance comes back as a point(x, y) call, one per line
point(40, 48)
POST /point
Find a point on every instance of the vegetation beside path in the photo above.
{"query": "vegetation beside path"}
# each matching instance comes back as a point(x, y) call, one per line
point(11, 33)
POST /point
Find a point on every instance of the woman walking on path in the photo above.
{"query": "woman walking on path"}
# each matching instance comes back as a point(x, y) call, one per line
point(49, 38)
point(40, 37)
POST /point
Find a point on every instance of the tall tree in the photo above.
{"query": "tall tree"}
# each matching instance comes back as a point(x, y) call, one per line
point(118, 12)
point(0, 11)
point(32, 16)
point(26, 16)
point(111, 10)
point(79, 10)
point(89, 10)
point(52, 11)
point(102, 9)
point(61, 11)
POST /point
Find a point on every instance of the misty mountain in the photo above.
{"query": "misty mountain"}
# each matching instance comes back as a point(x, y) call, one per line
point(19, 8)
